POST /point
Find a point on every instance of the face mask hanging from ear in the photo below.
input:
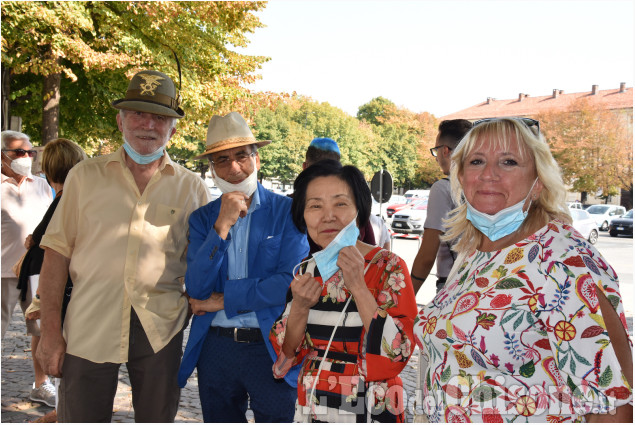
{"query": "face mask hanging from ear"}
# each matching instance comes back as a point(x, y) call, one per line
point(326, 259)
point(247, 186)
point(140, 158)
point(503, 223)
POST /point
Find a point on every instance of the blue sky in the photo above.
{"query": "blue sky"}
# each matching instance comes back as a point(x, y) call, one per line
point(442, 56)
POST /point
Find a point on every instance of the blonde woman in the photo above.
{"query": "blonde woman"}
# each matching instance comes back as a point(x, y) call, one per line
point(530, 325)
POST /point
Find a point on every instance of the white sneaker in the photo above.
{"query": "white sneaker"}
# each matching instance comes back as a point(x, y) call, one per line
point(45, 393)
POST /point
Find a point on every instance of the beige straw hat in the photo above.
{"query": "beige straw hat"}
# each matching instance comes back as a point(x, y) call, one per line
point(228, 132)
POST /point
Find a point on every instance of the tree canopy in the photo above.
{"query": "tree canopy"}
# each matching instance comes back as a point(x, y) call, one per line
point(97, 46)
point(393, 142)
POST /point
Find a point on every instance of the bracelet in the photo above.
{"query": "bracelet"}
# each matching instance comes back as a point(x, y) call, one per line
point(417, 277)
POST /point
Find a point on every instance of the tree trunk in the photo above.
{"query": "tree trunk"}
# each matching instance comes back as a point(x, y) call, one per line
point(51, 107)
point(6, 104)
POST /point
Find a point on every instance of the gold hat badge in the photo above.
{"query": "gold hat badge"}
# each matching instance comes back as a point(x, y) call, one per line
point(151, 82)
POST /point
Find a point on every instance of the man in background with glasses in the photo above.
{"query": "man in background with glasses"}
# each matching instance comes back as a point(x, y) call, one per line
point(25, 199)
point(439, 204)
point(242, 250)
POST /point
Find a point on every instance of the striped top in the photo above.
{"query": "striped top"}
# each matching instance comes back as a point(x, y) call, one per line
point(360, 365)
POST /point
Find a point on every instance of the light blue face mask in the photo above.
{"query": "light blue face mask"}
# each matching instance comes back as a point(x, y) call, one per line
point(142, 159)
point(501, 224)
point(326, 260)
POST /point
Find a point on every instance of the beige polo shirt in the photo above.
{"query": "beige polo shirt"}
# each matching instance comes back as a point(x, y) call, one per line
point(126, 249)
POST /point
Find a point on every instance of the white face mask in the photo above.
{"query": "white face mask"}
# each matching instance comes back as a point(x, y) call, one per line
point(22, 166)
point(247, 186)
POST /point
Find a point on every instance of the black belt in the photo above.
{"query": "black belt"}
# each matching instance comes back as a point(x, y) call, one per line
point(239, 334)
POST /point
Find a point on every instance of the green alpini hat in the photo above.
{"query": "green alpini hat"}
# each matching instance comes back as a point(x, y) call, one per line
point(153, 92)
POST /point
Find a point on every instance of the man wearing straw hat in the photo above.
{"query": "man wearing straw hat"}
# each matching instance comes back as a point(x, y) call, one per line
point(240, 258)
point(120, 231)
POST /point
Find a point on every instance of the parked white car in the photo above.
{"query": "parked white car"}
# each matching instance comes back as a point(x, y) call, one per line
point(585, 224)
point(603, 214)
point(410, 220)
point(575, 205)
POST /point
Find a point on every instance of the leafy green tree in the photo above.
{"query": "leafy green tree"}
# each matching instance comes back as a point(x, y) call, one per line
point(401, 138)
point(377, 111)
point(77, 57)
point(297, 120)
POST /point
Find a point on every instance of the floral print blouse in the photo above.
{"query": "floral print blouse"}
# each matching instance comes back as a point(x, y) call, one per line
point(361, 368)
point(517, 335)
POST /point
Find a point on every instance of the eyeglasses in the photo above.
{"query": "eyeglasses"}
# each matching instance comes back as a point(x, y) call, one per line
point(434, 150)
point(21, 152)
point(529, 122)
point(225, 161)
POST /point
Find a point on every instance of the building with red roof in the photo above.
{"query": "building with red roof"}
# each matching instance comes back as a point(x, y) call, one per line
point(620, 99)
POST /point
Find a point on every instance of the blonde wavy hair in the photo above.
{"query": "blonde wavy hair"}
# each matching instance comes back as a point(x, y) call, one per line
point(550, 205)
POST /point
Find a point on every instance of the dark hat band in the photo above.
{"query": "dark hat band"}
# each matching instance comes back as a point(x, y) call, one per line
point(159, 99)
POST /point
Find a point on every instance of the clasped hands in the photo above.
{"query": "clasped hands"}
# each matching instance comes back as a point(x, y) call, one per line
point(214, 303)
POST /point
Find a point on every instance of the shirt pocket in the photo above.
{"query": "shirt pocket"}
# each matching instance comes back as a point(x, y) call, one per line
point(269, 253)
point(166, 227)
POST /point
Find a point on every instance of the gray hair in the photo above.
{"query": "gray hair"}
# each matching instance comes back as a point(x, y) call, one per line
point(9, 135)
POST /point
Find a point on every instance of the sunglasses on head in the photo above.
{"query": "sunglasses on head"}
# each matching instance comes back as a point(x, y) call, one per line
point(529, 122)
point(22, 152)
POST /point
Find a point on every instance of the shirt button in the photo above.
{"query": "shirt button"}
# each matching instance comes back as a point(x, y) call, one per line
point(139, 203)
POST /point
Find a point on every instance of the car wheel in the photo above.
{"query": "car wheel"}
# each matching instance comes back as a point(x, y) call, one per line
point(593, 237)
point(605, 226)
point(613, 233)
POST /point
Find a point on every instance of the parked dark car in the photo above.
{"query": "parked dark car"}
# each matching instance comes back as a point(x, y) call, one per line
point(622, 225)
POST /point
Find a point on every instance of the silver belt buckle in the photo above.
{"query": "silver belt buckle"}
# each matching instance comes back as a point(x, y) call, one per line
point(236, 335)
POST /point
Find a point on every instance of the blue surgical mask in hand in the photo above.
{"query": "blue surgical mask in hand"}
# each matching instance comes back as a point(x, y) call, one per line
point(326, 260)
point(503, 223)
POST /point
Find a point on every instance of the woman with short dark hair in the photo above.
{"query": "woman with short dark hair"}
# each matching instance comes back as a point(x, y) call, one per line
point(349, 314)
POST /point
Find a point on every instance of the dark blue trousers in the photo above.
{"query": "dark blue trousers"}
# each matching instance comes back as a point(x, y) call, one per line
point(230, 372)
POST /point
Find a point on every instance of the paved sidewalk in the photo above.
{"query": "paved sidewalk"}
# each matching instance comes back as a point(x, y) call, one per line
point(17, 379)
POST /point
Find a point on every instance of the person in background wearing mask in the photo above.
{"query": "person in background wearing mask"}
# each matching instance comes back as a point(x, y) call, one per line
point(439, 205)
point(25, 199)
point(120, 231)
point(241, 253)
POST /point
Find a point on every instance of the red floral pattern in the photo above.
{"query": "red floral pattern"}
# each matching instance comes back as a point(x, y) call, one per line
point(519, 335)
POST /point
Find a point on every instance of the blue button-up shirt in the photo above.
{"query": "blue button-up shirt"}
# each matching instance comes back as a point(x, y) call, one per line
point(237, 267)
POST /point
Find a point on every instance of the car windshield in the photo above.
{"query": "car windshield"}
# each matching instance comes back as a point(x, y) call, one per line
point(629, 214)
point(598, 209)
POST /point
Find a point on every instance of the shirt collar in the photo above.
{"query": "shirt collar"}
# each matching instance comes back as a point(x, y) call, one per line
point(14, 181)
point(255, 202)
